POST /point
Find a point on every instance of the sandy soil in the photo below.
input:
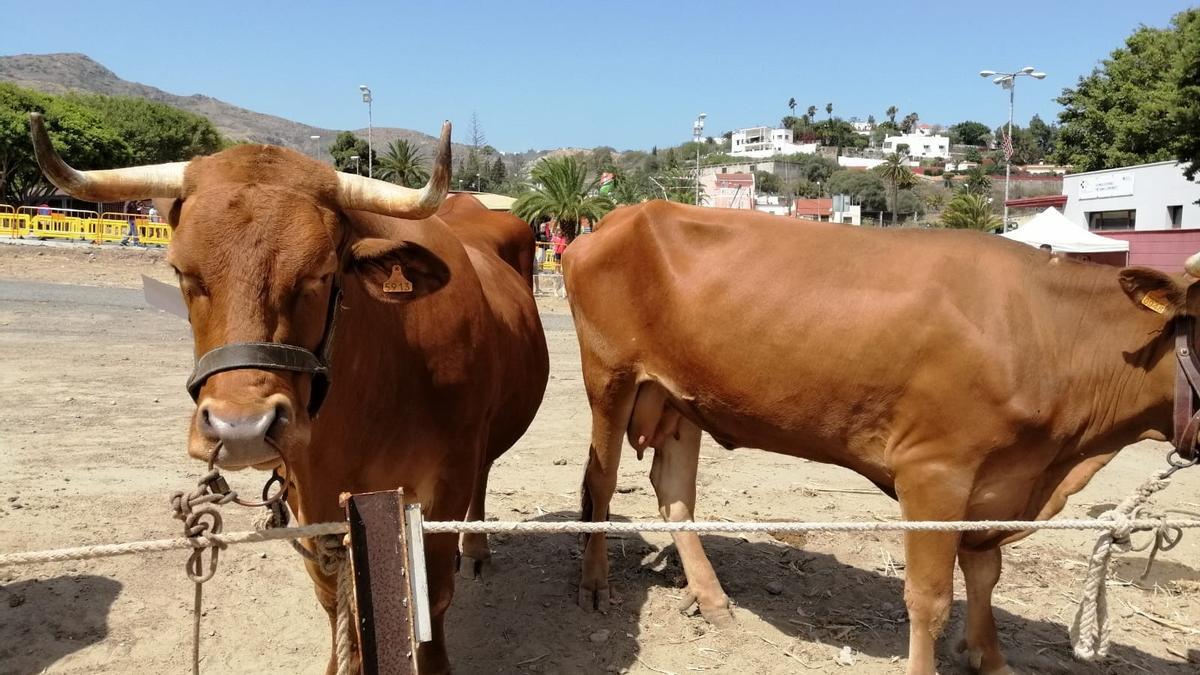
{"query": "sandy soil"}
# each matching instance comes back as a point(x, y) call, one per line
point(92, 421)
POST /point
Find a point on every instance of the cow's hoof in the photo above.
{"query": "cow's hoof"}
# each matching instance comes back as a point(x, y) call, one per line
point(473, 568)
point(974, 658)
point(594, 599)
point(718, 613)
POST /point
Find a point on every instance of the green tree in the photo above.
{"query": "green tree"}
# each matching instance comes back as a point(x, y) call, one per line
point(891, 114)
point(829, 111)
point(1044, 135)
point(498, 173)
point(562, 190)
point(1126, 112)
point(153, 132)
point(977, 181)
point(898, 177)
point(767, 183)
point(1185, 120)
point(402, 164)
point(810, 114)
point(79, 135)
point(909, 123)
point(863, 187)
point(345, 146)
point(969, 211)
point(969, 133)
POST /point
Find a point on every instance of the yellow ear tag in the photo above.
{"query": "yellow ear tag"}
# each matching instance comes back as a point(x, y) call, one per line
point(398, 283)
point(1153, 303)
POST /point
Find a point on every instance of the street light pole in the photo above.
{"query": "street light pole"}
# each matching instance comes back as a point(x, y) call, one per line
point(366, 97)
point(1009, 81)
point(697, 129)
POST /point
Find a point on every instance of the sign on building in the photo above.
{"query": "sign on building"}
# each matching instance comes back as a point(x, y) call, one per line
point(1117, 184)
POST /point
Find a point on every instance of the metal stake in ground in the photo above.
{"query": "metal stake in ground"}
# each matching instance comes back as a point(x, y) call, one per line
point(379, 553)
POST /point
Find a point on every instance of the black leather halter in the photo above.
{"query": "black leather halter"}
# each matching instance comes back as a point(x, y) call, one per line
point(1187, 384)
point(276, 356)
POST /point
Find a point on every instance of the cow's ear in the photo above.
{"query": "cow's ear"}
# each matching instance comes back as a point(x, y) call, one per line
point(396, 271)
point(1154, 291)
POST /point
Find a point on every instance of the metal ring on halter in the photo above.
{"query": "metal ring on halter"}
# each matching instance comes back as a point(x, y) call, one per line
point(266, 500)
point(1177, 462)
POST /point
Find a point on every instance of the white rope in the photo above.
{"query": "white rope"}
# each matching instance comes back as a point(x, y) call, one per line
point(575, 527)
point(1090, 631)
point(160, 545)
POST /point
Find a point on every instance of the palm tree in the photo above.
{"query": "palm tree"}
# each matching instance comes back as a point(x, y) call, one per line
point(829, 110)
point(792, 106)
point(969, 211)
point(402, 164)
point(891, 113)
point(562, 190)
point(812, 113)
point(898, 176)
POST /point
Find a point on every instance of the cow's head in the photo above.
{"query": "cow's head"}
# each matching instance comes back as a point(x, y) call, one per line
point(1164, 294)
point(260, 245)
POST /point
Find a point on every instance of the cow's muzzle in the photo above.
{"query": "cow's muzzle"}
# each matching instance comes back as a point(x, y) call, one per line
point(239, 438)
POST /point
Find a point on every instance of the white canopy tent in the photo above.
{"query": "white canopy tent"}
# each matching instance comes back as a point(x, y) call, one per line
point(1063, 236)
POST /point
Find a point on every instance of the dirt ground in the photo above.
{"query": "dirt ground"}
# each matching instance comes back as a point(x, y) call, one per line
point(92, 422)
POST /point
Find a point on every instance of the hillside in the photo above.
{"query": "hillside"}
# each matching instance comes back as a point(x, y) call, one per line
point(61, 73)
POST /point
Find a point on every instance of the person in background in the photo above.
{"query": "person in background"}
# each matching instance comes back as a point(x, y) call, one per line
point(153, 213)
point(560, 244)
point(132, 232)
point(43, 209)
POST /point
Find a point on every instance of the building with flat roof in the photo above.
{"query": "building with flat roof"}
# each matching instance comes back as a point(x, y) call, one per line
point(1143, 197)
point(766, 142)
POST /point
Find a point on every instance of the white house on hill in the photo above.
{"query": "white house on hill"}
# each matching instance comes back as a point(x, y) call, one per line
point(766, 142)
point(920, 146)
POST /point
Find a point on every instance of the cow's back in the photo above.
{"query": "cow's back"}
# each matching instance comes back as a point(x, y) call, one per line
point(503, 233)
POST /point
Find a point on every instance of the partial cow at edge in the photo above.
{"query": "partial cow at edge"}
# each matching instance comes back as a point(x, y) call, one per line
point(436, 356)
point(969, 376)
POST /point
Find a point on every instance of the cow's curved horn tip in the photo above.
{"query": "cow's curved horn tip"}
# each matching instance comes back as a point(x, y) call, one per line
point(1192, 266)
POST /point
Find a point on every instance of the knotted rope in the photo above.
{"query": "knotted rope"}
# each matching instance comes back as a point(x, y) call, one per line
point(1090, 632)
point(201, 519)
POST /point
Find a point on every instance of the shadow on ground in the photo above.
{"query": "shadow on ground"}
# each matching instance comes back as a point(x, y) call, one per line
point(44, 620)
point(523, 617)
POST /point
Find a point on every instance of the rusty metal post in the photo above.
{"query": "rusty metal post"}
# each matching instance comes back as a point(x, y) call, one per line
point(379, 553)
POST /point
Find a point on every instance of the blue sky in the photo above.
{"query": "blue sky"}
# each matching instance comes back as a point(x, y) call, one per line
point(629, 75)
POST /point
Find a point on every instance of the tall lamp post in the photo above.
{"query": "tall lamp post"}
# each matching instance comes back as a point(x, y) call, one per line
point(697, 130)
point(366, 97)
point(317, 143)
point(1008, 81)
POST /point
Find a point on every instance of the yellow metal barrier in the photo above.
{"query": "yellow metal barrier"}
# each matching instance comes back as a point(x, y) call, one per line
point(14, 224)
point(549, 262)
point(72, 224)
point(114, 226)
point(58, 223)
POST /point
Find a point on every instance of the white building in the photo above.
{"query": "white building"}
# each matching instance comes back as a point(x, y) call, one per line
point(766, 142)
point(1144, 197)
point(728, 190)
point(920, 146)
point(863, 128)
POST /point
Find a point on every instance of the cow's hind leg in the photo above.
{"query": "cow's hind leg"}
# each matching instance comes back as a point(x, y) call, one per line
point(929, 493)
point(676, 456)
point(476, 555)
point(981, 570)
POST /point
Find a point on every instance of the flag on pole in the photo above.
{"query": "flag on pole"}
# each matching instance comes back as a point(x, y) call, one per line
point(1008, 147)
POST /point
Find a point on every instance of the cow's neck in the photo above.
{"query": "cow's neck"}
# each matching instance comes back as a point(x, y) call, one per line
point(1119, 362)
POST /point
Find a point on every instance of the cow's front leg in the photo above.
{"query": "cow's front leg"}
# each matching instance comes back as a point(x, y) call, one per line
point(674, 477)
point(475, 552)
point(440, 553)
point(981, 570)
point(929, 493)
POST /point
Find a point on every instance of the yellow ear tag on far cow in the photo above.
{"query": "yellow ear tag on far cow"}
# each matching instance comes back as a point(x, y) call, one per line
point(1154, 303)
point(398, 283)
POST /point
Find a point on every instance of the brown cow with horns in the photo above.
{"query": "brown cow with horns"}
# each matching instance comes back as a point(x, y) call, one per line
point(299, 280)
point(968, 376)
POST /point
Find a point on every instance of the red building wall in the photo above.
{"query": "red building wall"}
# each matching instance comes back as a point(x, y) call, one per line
point(1163, 250)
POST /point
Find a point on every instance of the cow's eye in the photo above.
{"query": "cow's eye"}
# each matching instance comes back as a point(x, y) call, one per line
point(192, 286)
